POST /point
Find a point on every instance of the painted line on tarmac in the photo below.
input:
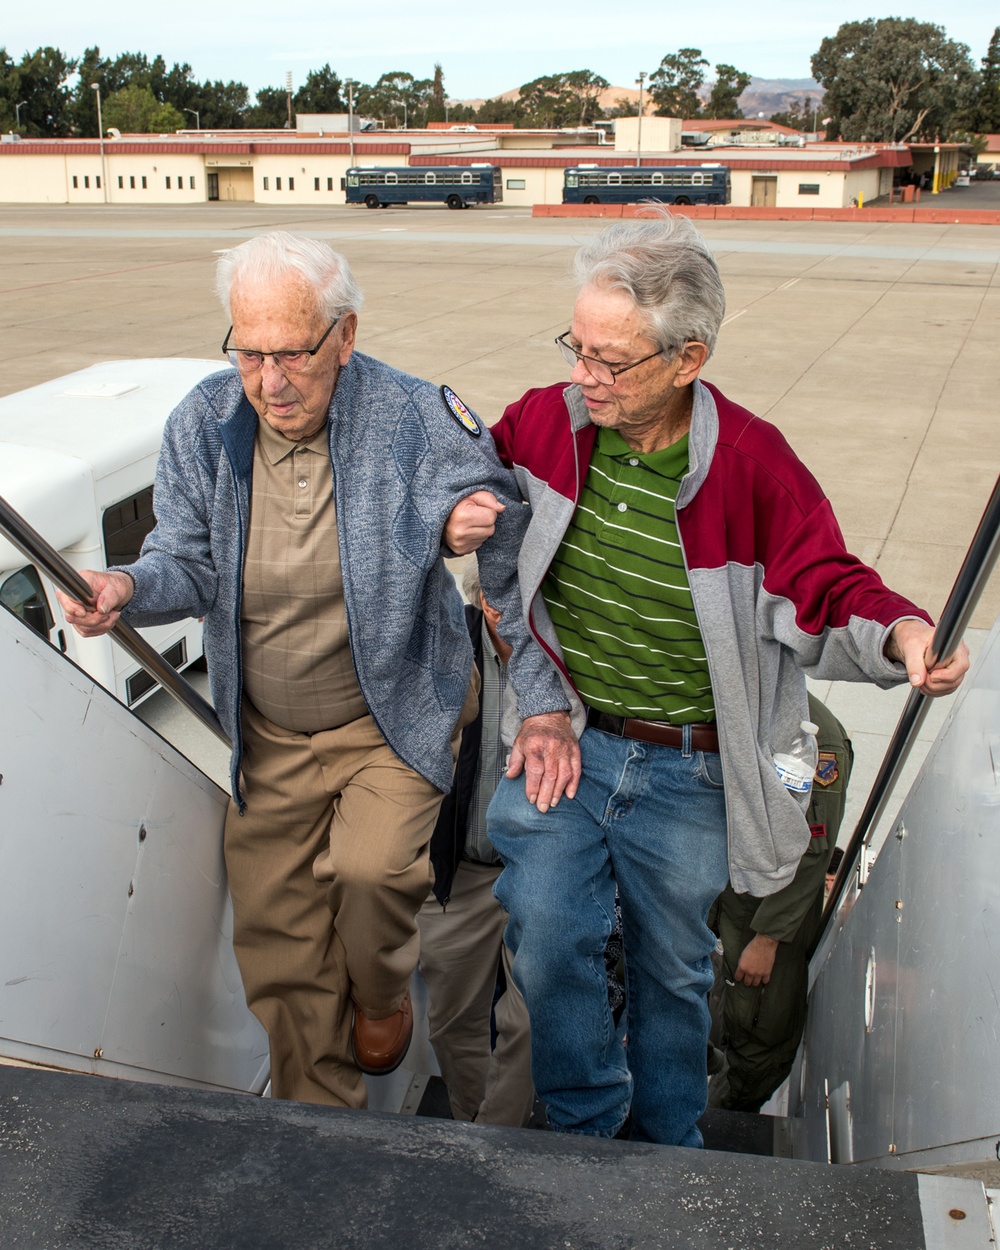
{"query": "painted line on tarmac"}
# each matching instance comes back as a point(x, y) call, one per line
point(105, 273)
point(859, 251)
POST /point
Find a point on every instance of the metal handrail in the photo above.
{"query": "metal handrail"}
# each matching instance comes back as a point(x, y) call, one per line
point(41, 553)
point(969, 584)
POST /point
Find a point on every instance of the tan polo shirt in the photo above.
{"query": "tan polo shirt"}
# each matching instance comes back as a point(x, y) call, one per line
point(297, 667)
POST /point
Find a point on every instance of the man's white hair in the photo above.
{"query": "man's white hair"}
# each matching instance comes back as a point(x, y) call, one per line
point(268, 258)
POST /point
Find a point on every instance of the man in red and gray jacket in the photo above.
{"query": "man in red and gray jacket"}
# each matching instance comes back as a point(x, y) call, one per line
point(683, 571)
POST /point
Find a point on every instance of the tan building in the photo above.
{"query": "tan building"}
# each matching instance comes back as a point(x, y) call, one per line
point(290, 168)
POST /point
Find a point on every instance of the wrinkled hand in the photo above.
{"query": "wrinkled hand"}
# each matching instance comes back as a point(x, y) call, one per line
point(757, 961)
point(111, 592)
point(547, 749)
point(472, 520)
point(908, 644)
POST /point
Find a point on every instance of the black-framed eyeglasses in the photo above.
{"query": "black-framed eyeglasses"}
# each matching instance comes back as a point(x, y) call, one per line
point(599, 370)
point(293, 361)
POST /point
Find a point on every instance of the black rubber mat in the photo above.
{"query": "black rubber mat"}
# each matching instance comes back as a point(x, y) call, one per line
point(87, 1162)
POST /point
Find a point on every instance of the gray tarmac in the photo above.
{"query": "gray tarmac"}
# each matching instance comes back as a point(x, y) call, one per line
point(871, 345)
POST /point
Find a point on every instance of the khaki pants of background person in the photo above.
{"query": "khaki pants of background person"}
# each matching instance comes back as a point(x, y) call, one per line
point(327, 867)
point(460, 949)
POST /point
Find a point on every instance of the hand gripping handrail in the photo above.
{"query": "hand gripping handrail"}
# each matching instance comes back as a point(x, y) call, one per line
point(969, 584)
point(35, 548)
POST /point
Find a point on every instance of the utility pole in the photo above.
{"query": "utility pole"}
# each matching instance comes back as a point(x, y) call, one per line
point(96, 86)
point(197, 118)
point(349, 84)
point(638, 141)
point(17, 114)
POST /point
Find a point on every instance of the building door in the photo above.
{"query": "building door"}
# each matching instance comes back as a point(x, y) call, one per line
point(213, 186)
point(764, 193)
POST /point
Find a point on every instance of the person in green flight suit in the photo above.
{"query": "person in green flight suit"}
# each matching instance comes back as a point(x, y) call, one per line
point(759, 998)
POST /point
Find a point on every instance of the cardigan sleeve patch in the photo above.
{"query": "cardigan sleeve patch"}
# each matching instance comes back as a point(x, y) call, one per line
point(464, 415)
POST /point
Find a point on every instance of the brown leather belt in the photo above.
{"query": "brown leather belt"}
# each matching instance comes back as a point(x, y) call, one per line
point(703, 737)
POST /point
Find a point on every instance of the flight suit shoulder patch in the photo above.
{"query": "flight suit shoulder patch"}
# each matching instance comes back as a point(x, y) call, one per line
point(827, 771)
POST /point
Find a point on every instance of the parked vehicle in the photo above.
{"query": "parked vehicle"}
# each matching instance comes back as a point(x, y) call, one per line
point(458, 186)
point(627, 184)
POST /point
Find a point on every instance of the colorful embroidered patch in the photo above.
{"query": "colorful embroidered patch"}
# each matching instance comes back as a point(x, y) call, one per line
point(818, 831)
point(463, 415)
point(827, 771)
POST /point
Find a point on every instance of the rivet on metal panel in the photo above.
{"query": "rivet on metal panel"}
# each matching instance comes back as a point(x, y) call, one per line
point(98, 1052)
point(131, 889)
point(899, 904)
point(892, 1147)
point(957, 1213)
point(900, 832)
point(142, 833)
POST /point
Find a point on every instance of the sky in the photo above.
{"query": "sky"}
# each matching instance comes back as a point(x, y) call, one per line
point(483, 49)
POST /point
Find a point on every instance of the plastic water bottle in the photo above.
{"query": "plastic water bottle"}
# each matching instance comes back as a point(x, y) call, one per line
point(797, 766)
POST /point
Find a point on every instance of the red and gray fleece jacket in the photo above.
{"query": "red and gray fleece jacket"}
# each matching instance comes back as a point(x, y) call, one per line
point(776, 593)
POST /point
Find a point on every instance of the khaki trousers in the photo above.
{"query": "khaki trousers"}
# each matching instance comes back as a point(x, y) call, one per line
point(327, 868)
point(460, 948)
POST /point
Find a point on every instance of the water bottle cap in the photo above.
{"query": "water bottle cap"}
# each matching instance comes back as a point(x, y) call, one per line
point(808, 727)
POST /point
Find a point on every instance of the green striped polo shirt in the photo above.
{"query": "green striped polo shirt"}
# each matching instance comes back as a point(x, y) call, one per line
point(618, 592)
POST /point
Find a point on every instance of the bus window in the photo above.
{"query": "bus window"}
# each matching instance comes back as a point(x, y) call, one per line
point(391, 180)
point(430, 179)
point(22, 592)
point(467, 178)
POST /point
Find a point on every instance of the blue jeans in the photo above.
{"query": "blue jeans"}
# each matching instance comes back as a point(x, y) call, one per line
point(652, 820)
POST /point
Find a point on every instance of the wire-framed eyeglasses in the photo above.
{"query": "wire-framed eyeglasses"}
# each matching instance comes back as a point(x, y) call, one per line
point(599, 370)
point(293, 360)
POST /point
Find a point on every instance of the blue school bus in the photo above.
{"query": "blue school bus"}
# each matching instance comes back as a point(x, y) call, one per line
point(671, 184)
point(458, 186)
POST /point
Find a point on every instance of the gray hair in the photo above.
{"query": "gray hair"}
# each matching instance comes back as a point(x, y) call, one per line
point(270, 257)
point(665, 267)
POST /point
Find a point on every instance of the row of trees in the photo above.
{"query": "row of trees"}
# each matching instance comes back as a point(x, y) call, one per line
point(892, 79)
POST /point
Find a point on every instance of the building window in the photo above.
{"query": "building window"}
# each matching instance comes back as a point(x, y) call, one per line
point(191, 181)
point(86, 181)
point(265, 184)
point(291, 184)
point(168, 182)
point(144, 182)
point(121, 183)
point(515, 184)
point(808, 188)
point(315, 184)
point(329, 184)
point(277, 184)
point(75, 183)
point(97, 182)
point(131, 182)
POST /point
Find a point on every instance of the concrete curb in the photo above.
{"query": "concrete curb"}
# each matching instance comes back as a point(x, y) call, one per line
point(733, 212)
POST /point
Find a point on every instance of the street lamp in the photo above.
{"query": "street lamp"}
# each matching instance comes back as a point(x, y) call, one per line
point(95, 86)
point(197, 117)
point(17, 114)
point(638, 139)
point(406, 124)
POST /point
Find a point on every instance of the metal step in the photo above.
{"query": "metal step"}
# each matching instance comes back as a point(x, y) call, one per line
point(90, 1162)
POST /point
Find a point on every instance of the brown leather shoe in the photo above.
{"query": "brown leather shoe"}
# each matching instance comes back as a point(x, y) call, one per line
point(379, 1045)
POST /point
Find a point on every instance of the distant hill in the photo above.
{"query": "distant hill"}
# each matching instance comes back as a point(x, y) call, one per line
point(764, 95)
